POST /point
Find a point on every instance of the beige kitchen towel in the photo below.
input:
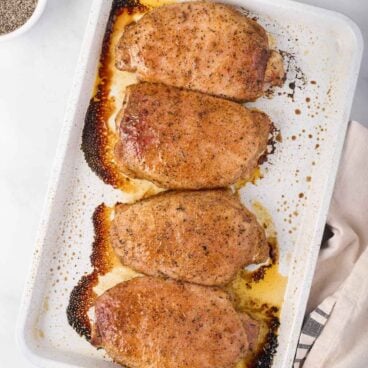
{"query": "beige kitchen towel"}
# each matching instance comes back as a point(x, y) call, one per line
point(341, 278)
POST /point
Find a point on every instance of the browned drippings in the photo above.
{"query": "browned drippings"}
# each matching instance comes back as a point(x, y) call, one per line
point(260, 294)
point(294, 74)
point(247, 291)
point(278, 137)
point(274, 138)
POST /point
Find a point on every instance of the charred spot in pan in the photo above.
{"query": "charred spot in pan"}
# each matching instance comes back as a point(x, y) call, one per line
point(130, 5)
point(81, 299)
point(275, 137)
point(294, 73)
point(259, 274)
point(94, 140)
point(268, 319)
point(274, 249)
point(264, 357)
point(82, 296)
point(100, 259)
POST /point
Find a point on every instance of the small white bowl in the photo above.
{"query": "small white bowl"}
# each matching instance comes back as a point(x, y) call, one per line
point(40, 6)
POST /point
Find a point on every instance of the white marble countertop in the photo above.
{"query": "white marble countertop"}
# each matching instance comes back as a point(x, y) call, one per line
point(36, 72)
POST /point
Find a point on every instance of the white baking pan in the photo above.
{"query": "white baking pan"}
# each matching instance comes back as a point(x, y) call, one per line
point(312, 114)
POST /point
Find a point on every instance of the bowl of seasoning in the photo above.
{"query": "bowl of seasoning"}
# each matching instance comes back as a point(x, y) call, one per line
point(18, 16)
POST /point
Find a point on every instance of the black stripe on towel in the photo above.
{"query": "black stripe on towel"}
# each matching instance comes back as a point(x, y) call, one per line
point(322, 313)
point(312, 328)
point(304, 346)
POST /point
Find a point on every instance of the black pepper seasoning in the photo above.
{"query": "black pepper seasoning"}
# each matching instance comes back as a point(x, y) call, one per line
point(14, 13)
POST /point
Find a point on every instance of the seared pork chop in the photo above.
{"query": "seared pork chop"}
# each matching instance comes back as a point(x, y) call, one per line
point(203, 46)
point(182, 139)
point(149, 322)
point(204, 237)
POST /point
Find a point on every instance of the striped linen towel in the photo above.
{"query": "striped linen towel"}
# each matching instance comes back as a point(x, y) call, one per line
point(312, 328)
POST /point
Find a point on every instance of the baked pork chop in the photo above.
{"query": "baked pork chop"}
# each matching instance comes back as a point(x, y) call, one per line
point(150, 322)
point(182, 139)
point(203, 46)
point(204, 237)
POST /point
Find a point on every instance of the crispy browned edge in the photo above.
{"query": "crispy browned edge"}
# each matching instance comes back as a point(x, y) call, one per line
point(96, 144)
point(82, 296)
